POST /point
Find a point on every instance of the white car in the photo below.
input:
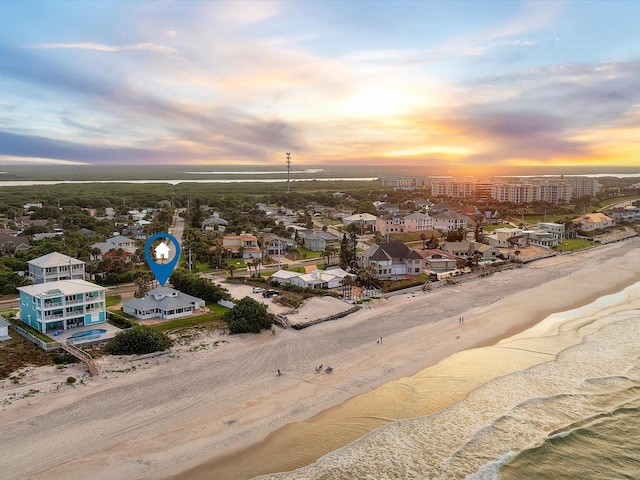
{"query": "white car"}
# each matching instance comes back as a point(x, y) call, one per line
point(258, 290)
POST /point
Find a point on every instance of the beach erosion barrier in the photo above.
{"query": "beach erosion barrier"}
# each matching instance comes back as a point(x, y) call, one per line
point(301, 325)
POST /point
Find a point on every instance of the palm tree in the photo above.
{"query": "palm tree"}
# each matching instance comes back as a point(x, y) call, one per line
point(231, 267)
point(347, 283)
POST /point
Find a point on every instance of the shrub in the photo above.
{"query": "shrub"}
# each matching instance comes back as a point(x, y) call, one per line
point(137, 340)
point(64, 358)
point(71, 380)
point(120, 321)
point(248, 316)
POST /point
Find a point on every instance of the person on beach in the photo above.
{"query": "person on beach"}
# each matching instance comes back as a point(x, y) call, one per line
point(279, 373)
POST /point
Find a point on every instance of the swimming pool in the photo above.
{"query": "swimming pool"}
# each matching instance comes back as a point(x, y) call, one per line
point(95, 333)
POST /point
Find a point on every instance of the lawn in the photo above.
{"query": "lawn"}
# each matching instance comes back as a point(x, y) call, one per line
point(303, 253)
point(215, 317)
point(573, 244)
point(559, 218)
point(491, 228)
point(236, 262)
point(112, 300)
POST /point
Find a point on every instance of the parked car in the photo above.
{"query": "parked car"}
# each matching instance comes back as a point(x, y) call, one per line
point(258, 290)
point(269, 293)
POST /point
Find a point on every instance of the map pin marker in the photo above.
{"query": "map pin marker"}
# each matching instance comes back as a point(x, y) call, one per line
point(161, 270)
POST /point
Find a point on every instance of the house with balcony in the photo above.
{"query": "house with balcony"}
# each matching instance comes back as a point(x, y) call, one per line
point(418, 222)
point(436, 260)
point(630, 213)
point(55, 267)
point(556, 229)
point(504, 237)
point(392, 259)
point(63, 304)
point(467, 250)
point(364, 220)
point(115, 247)
point(320, 241)
point(390, 223)
point(274, 245)
point(163, 302)
point(449, 221)
point(241, 246)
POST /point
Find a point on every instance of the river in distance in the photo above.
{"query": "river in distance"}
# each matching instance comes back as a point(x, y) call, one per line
point(560, 401)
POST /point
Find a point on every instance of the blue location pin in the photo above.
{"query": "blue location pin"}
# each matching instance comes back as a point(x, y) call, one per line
point(162, 271)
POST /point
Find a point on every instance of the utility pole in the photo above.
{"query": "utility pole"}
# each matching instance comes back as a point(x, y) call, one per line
point(279, 248)
point(288, 172)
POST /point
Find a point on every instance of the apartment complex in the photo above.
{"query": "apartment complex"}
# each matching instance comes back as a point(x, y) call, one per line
point(504, 189)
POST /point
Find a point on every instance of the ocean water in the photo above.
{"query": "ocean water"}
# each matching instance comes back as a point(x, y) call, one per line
point(559, 401)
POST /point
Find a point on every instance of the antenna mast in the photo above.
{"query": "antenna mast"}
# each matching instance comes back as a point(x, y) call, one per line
point(288, 172)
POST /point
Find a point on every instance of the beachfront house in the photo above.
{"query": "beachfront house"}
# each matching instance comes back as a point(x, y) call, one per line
point(64, 304)
point(4, 329)
point(163, 302)
point(468, 250)
point(330, 278)
point(436, 260)
point(391, 259)
point(503, 237)
point(593, 221)
point(55, 267)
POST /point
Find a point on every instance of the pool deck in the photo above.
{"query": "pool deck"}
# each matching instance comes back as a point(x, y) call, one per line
point(111, 332)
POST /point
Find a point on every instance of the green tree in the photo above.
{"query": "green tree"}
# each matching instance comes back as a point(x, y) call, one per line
point(345, 251)
point(138, 340)
point(248, 316)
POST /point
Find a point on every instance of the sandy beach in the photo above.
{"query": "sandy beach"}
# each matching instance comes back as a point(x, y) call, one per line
point(203, 409)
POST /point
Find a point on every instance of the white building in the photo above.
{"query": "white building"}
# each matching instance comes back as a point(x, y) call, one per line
point(55, 267)
point(163, 302)
point(4, 329)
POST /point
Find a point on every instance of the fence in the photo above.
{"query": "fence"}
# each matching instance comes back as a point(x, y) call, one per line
point(46, 346)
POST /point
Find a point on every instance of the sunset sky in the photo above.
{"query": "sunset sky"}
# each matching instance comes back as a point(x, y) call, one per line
point(461, 84)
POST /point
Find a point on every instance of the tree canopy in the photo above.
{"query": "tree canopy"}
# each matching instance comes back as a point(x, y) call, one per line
point(248, 316)
point(138, 340)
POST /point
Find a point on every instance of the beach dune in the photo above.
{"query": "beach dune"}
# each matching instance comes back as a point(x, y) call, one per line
point(205, 409)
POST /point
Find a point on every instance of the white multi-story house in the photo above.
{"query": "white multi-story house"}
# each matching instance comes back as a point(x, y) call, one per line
point(449, 221)
point(556, 229)
point(320, 241)
point(55, 267)
point(48, 307)
point(500, 236)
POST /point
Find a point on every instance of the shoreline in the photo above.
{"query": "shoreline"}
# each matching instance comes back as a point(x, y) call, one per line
point(175, 414)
